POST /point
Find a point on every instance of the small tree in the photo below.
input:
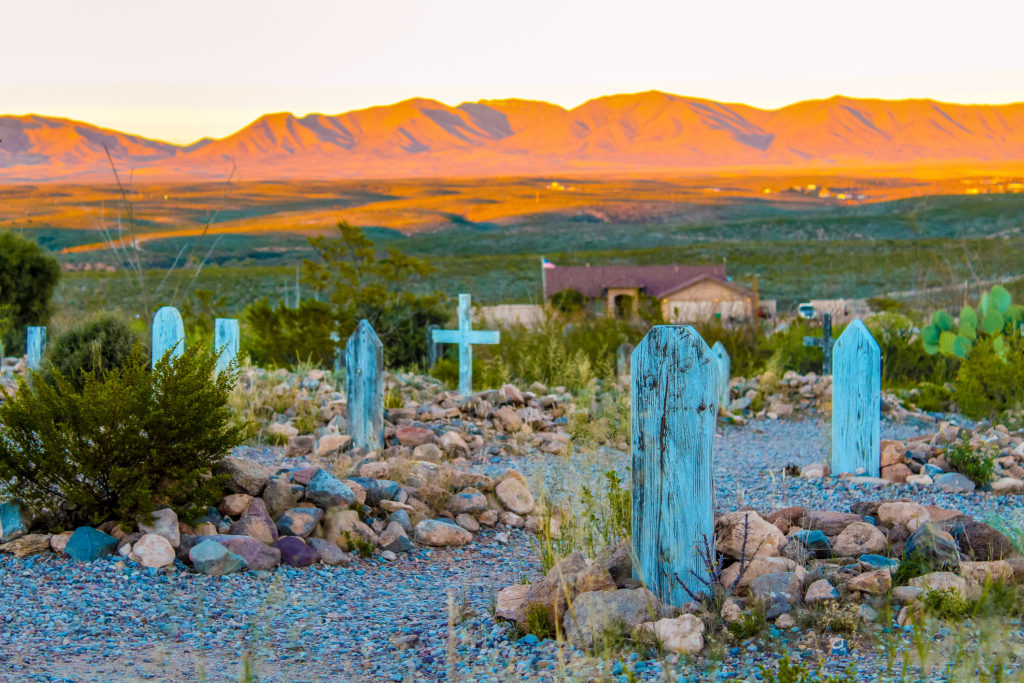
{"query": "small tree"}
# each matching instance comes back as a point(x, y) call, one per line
point(129, 441)
point(94, 347)
point(28, 276)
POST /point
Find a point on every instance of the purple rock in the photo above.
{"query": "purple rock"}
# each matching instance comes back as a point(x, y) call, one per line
point(296, 552)
point(256, 554)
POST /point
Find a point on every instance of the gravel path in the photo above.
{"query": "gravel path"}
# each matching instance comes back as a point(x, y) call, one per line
point(111, 621)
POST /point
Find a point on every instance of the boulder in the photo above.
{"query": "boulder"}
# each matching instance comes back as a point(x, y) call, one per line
point(88, 544)
point(415, 436)
point(257, 527)
point(280, 495)
point(327, 491)
point(244, 476)
point(282, 431)
point(1007, 486)
point(954, 482)
point(454, 445)
point(378, 489)
point(978, 540)
point(828, 521)
point(428, 452)
point(506, 420)
point(213, 559)
point(344, 528)
point(937, 581)
point(682, 635)
point(510, 603)
point(257, 555)
point(296, 553)
point(164, 523)
point(402, 518)
point(977, 574)
point(395, 539)
point(820, 590)
point(299, 521)
point(860, 538)
point(468, 500)
point(787, 517)
point(618, 560)
point(759, 566)
point(27, 545)
point(153, 550)
point(235, 504)
point(330, 554)
point(515, 496)
point(816, 542)
point(779, 593)
point(595, 611)
point(892, 514)
point(14, 521)
point(467, 522)
point(892, 453)
point(300, 446)
point(441, 533)
point(933, 545)
point(897, 474)
point(745, 533)
point(569, 577)
point(511, 519)
point(873, 583)
point(330, 444)
point(375, 470)
point(58, 542)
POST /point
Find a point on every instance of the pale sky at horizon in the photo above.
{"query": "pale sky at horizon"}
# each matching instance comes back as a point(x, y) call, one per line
point(196, 68)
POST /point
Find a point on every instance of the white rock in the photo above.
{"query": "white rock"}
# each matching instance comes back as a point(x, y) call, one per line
point(682, 635)
point(902, 513)
point(152, 550)
point(762, 538)
point(514, 495)
point(165, 523)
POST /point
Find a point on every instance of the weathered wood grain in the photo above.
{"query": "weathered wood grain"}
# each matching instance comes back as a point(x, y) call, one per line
point(364, 387)
point(856, 402)
point(35, 345)
point(723, 364)
point(225, 341)
point(465, 337)
point(168, 334)
point(674, 410)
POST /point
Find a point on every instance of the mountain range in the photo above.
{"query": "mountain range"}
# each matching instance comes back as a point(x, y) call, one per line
point(643, 132)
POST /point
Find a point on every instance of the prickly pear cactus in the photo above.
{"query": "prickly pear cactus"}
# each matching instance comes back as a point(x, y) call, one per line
point(996, 315)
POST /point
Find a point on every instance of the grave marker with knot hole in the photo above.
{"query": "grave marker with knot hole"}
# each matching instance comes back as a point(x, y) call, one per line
point(674, 402)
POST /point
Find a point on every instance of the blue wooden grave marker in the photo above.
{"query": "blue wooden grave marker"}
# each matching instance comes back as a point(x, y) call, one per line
point(674, 403)
point(724, 365)
point(856, 402)
point(339, 357)
point(35, 345)
point(225, 341)
point(364, 387)
point(433, 347)
point(168, 333)
point(465, 336)
point(622, 357)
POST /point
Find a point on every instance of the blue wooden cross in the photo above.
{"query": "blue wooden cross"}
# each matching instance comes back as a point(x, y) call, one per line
point(168, 334)
point(465, 336)
point(857, 402)
point(35, 345)
point(825, 343)
point(225, 341)
point(674, 405)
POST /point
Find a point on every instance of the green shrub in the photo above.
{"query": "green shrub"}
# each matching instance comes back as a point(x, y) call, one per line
point(746, 345)
point(946, 603)
point(130, 441)
point(787, 351)
point(28, 276)
point(788, 672)
point(905, 363)
point(911, 566)
point(978, 466)
point(989, 382)
point(285, 337)
point(104, 344)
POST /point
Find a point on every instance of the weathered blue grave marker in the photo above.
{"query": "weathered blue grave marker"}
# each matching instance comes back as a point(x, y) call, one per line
point(724, 365)
point(364, 387)
point(825, 342)
point(433, 347)
point(465, 336)
point(168, 333)
point(675, 407)
point(622, 361)
point(225, 341)
point(856, 402)
point(339, 358)
point(35, 345)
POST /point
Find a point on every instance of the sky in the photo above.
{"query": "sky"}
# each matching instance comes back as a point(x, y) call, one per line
point(182, 70)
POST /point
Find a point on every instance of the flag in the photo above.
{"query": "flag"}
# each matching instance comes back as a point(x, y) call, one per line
point(545, 263)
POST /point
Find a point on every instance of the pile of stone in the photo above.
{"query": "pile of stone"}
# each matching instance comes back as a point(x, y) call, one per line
point(793, 559)
point(794, 395)
point(302, 516)
point(923, 461)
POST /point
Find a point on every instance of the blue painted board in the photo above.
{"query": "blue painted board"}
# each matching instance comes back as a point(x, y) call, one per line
point(364, 387)
point(225, 341)
point(35, 345)
point(674, 402)
point(724, 365)
point(168, 334)
point(465, 337)
point(856, 402)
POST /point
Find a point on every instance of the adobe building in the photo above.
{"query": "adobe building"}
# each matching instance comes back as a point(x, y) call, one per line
point(686, 293)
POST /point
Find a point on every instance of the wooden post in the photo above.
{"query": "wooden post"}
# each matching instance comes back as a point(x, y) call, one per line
point(675, 407)
point(857, 402)
point(622, 363)
point(168, 334)
point(364, 387)
point(433, 348)
point(465, 337)
point(723, 364)
point(225, 341)
point(35, 345)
